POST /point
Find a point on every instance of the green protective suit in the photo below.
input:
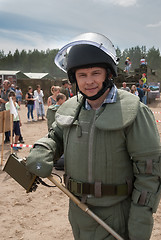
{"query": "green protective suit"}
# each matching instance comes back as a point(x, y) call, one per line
point(117, 144)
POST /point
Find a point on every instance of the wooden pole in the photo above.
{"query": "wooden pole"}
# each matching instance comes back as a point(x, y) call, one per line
point(3, 132)
point(84, 207)
point(11, 131)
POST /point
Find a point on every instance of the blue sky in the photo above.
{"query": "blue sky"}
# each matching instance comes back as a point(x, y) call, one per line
point(37, 24)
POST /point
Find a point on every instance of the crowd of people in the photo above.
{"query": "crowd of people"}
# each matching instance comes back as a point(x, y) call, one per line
point(34, 100)
point(139, 89)
point(7, 91)
point(59, 94)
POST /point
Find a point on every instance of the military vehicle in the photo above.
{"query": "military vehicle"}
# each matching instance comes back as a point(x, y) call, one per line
point(134, 76)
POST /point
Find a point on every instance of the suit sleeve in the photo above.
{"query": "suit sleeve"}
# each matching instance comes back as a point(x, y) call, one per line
point(45, 152)
point(143, 143)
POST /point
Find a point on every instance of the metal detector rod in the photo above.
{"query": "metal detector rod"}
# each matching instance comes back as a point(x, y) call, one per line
point(84, 207)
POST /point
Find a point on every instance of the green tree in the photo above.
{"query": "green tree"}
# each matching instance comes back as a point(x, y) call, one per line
point(24, 66)
point(9, 62)
point(2, 54)
point(16, 60)
point(43, 61)
point(153, 58)
point(143, 52)
point(135, 56)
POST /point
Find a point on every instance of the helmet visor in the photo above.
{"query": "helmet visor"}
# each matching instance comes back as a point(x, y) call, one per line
point(95, 39)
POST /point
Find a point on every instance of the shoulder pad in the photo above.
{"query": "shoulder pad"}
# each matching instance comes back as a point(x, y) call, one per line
point(115, 115)
point(120, 114)
point(67, 112)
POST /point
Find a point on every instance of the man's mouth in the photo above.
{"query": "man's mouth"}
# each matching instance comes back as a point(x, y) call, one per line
point(91, 89)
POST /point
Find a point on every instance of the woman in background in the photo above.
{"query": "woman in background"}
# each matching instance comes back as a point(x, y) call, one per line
point(39, 104)
point(30, 103)
point(55, 90)
point(134, 90)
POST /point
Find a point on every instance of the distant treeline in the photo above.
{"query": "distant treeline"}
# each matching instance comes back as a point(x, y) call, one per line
point(31, 61)
point(43, 61)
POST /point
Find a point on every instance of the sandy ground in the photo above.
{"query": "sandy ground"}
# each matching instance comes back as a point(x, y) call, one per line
point(42, 214)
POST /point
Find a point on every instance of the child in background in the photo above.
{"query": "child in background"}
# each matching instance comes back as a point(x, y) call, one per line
point(134, 90)
point(16, 120)
point(50, 115)
point(144, 78)
point(127, 65)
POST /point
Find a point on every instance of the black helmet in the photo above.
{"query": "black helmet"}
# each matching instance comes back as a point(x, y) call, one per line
point(88, 56)
point(88, 49)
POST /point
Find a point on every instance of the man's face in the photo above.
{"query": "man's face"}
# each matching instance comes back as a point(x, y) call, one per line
point(141, 82)
point(6, 84)
point(66, 85)
point(124, 84)
point(13, 98)
point(90, 80)
point(61, 101)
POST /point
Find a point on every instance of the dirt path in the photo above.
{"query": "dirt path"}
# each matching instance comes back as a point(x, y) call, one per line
point(42, 214)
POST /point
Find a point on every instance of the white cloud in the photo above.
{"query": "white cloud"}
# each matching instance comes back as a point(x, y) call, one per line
point(27, 40)
point(154, 25)
point(122, 3)
point(18, 34)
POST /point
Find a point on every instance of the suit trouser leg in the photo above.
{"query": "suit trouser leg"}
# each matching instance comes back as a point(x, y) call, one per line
point(86, 228)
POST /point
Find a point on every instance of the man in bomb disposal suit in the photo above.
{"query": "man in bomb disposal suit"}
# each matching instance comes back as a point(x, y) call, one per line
point(110, 143)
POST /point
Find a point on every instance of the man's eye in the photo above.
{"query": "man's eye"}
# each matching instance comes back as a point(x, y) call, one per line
point(96, 73)
point(82, 75)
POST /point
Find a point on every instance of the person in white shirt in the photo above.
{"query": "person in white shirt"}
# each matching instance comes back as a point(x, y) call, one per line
point(39, 104)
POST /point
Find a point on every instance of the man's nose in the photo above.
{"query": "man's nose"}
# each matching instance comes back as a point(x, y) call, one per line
point(89, 80)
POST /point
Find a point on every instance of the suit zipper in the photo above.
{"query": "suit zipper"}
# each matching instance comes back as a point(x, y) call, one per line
point(90, 151)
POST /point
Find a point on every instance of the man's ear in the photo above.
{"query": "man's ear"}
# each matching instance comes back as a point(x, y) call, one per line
point(110, 76)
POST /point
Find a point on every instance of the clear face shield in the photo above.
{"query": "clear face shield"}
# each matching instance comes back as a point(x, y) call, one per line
point(95, 39)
